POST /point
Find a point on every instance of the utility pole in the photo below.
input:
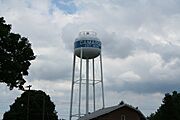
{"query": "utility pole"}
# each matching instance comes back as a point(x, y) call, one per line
point(29, 87)
point(43, 107)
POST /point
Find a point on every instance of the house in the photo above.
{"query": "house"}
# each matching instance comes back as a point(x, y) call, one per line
point(119, 112)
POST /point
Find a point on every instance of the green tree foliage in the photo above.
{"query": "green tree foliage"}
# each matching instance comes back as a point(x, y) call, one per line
point(170, 109)
point(32, 105)
point(15, 56)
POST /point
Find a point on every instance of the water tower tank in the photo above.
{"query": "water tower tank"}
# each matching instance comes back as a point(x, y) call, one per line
point(90, 45)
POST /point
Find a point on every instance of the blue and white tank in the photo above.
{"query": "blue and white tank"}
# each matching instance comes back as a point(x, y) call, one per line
point(89, 43)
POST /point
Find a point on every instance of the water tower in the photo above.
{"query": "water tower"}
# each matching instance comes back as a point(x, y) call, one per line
point(87, 60)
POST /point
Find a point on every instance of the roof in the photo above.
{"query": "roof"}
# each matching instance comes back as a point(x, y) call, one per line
point(104, 111)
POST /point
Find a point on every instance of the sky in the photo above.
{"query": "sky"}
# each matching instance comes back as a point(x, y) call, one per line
point(140, 48)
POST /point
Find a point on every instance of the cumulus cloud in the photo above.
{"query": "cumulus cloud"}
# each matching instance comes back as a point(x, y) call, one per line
point(7, 97)
point(150, 101)
point(140, 42)
point(153, 74)
point(46, 68)
point(123, 31)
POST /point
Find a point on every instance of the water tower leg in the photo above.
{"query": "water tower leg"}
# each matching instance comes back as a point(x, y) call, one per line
point(80, 80)
point(94, 101)
point(87, 86)
point(72, 87)
point(102, 80)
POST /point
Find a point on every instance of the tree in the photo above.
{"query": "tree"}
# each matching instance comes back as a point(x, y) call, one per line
point(32, 105)
point(15, 56)
point(170, 109)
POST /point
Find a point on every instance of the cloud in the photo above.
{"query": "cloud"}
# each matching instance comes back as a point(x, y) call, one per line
point(7, 98)
point(146, 72)
point(51, 64)
point(140, 42)
point(123, 31)
point(150, 101)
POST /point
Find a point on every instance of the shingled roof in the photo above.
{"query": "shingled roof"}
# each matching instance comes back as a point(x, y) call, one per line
point(104, 111)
